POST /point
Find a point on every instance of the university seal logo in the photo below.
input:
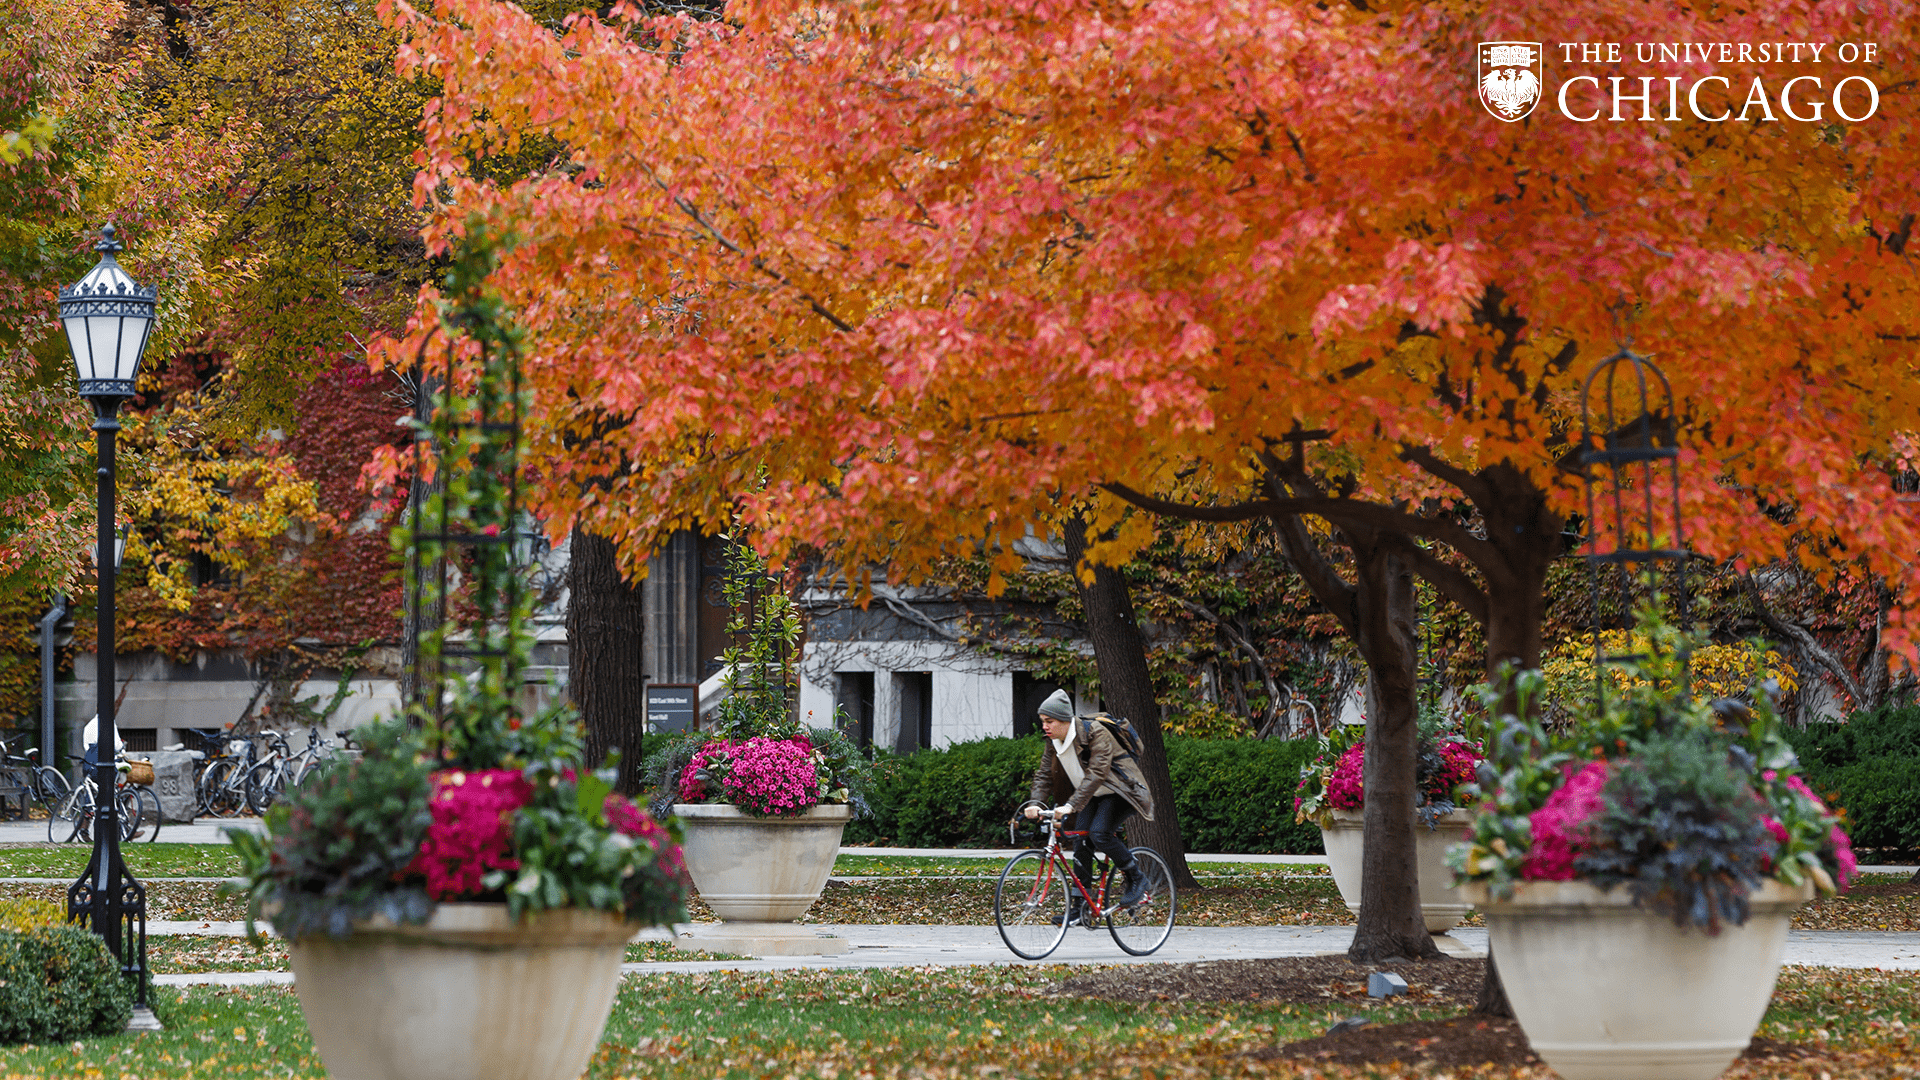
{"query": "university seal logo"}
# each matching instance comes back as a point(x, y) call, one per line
point(1510, 77)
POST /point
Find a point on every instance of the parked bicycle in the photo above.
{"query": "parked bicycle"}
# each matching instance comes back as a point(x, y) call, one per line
point(40, 785)
point(231, 757)
point(1032, 901)
point(279, 771)
point(73, 816)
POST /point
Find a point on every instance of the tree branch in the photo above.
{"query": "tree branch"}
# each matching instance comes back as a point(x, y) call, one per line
point(1451, 581)
point(758, 263)
point(1470, 484)
point(1804, 642)
point(1240, 641)
point(1322, 580)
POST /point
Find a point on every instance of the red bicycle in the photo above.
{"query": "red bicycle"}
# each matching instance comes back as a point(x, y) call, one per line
point(1036, 890)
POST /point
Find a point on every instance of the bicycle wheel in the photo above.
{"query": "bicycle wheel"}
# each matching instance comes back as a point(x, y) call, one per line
point(217, 797)
point(1143, 927)
point(139, 813)
point(49, 786)
point(1030, 905)
point(68, 819)
point(263, 786)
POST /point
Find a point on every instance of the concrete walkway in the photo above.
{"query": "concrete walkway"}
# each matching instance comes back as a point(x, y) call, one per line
point(914, 946)
point(951, 946)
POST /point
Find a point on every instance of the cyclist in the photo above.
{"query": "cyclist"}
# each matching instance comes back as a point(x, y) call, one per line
point(1085, 766)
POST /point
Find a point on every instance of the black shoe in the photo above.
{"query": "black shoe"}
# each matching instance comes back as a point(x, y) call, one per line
point(1136, 887)
point(1073, 916)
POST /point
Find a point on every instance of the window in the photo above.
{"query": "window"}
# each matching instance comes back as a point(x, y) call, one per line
point(855, 700)
point(913, 690)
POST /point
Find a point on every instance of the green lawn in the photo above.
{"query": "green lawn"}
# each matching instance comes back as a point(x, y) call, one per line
point(156, 860)
point(939, 1022)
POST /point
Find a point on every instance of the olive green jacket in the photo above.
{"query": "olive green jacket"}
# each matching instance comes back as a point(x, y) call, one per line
point(1103, 765)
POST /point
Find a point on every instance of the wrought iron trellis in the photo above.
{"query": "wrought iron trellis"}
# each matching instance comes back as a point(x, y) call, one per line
point(1640, 451)
point(467, 420)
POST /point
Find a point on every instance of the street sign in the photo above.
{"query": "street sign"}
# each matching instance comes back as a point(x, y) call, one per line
point(672, 706)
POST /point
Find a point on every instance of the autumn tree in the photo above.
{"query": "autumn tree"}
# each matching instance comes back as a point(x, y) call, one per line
point(927, 266)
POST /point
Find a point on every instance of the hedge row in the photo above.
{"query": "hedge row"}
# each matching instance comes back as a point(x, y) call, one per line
point(1869, 765)
point(58, 983)
point(1233, 795)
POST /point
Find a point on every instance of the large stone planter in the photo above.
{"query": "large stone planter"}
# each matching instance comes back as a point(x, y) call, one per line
point(1441, 905)
point(470, 995)
point(1607, 991)
point(759, 874)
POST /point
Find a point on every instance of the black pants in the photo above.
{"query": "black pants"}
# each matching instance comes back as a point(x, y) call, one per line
point(1102, 819)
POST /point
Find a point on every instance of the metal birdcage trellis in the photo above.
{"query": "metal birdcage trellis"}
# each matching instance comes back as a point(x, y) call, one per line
point(467, 419)
point(1635, 522)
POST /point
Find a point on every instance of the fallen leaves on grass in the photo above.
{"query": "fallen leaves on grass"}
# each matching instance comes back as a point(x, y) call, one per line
point(199, 953)
point(1871, 905)
point(181, 900)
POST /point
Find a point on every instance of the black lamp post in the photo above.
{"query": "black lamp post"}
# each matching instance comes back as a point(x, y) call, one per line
point(108, 319)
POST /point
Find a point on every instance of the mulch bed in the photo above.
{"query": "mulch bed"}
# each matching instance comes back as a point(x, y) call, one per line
point(1307, 980)
point(1453, 1042)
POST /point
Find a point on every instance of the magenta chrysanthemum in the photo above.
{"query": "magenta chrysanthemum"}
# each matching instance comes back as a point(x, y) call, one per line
point(630, 820)
point(472, 830)
point(1558, 826)
point(772, 776)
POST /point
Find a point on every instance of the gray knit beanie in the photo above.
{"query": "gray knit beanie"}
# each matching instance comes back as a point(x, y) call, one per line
point(1058, 705)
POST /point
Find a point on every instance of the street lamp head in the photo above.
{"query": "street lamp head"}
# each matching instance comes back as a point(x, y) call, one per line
point(108, 319)
point(119, 549)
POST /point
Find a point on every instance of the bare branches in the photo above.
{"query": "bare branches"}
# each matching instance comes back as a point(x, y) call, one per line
point(1240, 642)
point(1804, 643)
point(693, 213)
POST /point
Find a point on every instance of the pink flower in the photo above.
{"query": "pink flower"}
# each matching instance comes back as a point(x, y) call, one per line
point(692, 789)
point(761, 775)
point(629, 820)
point(1800, 786)
point(472, 830)
point(1346, 785)
point(772, 776)
point(1843, 856)
point(1779, 834)
point(1559, 825)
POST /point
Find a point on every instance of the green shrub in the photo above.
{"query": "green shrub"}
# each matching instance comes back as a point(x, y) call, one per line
point(1869, 766)
point(58, 983)
point(957, 796)
point(1233, 795)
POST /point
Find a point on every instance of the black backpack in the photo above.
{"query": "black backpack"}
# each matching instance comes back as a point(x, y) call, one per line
point(1121, 730)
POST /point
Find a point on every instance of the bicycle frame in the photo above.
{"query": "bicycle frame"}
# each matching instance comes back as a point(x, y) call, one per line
point(1058, 859)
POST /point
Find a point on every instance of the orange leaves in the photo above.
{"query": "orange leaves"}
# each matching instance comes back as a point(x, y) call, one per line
point(1081, 242)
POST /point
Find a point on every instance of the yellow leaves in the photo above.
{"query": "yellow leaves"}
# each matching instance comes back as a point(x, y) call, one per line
point(194, 501)
point(1714, 671)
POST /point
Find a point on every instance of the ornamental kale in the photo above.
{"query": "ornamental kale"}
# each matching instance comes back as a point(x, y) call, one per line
point(1682, 827)
point(1689, 804)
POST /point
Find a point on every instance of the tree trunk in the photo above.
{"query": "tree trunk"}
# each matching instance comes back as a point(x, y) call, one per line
point(1390, 921)
point(603, 656)
point(1378, 612)
point(1120, 652)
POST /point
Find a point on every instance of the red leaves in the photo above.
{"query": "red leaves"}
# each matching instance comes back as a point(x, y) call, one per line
point(1079, 243)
